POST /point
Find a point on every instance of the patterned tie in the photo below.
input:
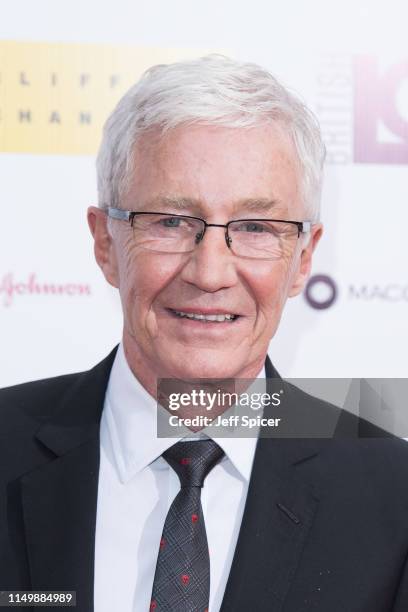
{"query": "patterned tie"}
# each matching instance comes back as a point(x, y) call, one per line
point(182, 578)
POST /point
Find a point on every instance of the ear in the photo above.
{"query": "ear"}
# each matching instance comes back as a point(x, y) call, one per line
point(304, 264)
point(103, 244)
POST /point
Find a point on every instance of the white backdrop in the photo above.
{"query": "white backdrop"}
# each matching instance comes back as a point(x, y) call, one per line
point(349, 63)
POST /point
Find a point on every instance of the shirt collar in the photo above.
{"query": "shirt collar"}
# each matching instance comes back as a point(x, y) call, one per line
point(130, 415)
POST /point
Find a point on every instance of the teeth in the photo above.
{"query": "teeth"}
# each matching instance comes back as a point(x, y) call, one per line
point(201, 317)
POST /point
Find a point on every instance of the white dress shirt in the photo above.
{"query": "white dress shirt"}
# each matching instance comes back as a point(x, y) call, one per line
point(136, 489)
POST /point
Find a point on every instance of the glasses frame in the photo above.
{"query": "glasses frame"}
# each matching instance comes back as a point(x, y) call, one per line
point(303, 227)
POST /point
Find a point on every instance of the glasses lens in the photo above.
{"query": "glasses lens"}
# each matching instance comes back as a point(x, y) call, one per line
point(262, 239)
point(167, 233)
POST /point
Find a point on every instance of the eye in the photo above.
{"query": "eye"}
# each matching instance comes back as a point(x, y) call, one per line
point(252, 227)
point(170, 222)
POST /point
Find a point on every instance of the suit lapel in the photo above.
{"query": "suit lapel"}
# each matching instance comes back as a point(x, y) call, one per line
point(59, 498)
point(59, 507)
point(279, 511)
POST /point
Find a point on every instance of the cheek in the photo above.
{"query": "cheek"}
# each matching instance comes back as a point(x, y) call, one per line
point(269, 282)
point(143, 276)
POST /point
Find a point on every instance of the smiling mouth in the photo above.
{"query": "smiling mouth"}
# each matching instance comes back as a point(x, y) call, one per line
point(205, 318)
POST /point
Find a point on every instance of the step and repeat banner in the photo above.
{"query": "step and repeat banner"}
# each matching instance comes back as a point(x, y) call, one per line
point(57, 86)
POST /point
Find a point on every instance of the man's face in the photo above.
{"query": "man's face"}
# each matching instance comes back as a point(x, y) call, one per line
point(219, 174)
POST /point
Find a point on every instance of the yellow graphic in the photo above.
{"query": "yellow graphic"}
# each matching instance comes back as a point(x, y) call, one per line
point(54, 98)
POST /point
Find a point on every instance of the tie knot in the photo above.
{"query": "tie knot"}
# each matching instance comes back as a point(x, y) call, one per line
point(192, 461)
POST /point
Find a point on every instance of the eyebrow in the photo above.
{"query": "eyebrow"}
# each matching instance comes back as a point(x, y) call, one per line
point(192, 204)
point(179, 203)
point(258, 204)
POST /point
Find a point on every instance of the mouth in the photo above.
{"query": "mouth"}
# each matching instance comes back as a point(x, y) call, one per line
point(205, 318)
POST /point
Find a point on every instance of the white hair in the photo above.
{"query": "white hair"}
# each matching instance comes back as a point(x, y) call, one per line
point(212, 90)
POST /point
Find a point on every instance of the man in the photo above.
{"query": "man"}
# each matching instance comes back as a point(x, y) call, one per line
point(209, 179)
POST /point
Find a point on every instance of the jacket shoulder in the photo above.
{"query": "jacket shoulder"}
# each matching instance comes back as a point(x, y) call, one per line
point(35, 399)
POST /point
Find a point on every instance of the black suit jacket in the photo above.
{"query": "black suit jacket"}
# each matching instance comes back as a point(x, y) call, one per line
point(325, 527)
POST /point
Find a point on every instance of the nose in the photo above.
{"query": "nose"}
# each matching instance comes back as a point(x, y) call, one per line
point(211, 266)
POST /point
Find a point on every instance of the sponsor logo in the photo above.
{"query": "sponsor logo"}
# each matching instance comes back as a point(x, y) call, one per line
point(362, 105)
point(321, 291)
point(392, 292)
point(10, 288)
point(334, 106)
point(380, 99)
point(54, 97)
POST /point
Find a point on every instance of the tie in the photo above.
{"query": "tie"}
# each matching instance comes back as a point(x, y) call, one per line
point(182, 578)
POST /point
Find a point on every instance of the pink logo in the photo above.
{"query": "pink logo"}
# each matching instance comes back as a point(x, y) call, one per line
point(185, 579)
point(11, 288)
point(380, 130)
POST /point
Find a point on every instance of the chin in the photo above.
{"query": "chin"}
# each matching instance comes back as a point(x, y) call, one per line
point(204, 366)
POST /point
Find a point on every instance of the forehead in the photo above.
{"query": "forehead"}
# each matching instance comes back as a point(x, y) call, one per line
point(217, 169)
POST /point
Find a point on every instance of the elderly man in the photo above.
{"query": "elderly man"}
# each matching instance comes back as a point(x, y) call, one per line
point(209, 178)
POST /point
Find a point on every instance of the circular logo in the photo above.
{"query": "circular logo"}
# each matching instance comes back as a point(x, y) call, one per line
point(321, 291)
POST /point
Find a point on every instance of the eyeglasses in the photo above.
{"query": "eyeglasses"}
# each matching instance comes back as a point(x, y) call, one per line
point(251, 238)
